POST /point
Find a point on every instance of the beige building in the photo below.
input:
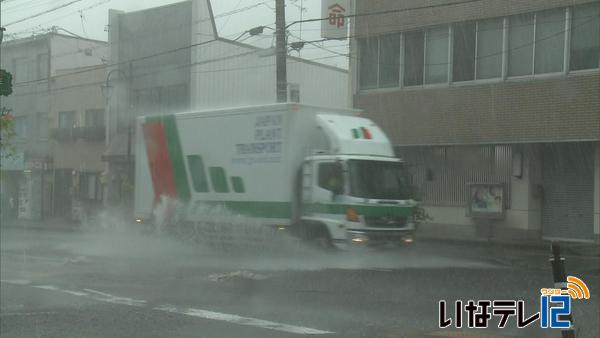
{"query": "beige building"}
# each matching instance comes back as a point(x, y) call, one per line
point(77, 134)
point(38, 64)
point(495, 105)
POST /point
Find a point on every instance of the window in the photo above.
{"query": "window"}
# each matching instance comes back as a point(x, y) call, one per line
point(520, 45)
point(21, 126)
point(379, 180)
point(294, 92)
point(66, 119)
point(413, 58)
point(166, 99)
point(463, 65)
point(489, 48)
point(42, 66)
point(43, 125)
point(330, 176)
point(436, 55)
point(94, 118)
point(368, 63)
point(389, 60)
point(22, 70)
point(550, 41)
point(585, 37)
point(90, 187)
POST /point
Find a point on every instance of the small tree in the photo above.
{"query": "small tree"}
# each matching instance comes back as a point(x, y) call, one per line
point(7, 132)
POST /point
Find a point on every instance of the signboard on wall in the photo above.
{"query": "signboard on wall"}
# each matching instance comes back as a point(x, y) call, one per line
point(335, 23)
point(486, 200)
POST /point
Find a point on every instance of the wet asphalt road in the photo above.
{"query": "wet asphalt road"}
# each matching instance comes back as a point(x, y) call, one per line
point(116, 283)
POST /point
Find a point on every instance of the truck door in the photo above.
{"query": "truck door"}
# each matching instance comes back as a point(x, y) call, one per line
point(329, 182)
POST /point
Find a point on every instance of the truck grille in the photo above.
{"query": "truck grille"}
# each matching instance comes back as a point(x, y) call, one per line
point(386, 221)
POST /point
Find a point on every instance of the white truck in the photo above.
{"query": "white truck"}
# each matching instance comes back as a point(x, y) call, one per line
point(325, 174)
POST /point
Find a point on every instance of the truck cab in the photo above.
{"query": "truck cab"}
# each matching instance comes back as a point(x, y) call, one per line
point(357, 192)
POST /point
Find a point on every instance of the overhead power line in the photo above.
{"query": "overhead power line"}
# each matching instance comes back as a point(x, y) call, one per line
point(43, 12)
point(392, 11)
point(315, 41)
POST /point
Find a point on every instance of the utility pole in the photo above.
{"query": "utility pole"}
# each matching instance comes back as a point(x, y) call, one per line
point(281, 50)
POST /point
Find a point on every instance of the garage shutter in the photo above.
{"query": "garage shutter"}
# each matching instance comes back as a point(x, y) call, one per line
point(568, 176)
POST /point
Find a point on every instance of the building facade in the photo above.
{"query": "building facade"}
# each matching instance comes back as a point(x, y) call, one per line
point(77, 134)
point(170, 59)
point(502, 96)
point(36, 63)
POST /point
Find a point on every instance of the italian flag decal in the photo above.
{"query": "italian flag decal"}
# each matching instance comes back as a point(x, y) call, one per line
point(165, 158)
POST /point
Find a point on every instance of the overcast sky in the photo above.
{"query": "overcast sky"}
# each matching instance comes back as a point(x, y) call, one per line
point(89, 18)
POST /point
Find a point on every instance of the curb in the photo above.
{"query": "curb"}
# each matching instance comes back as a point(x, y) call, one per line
point(583, 250)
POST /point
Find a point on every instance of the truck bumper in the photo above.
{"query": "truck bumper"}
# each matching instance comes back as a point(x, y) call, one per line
point(365, 237)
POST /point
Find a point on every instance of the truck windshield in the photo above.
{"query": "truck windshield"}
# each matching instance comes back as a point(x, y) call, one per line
point(378, 180)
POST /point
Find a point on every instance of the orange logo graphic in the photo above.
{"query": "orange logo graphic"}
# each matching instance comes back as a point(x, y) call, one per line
point(577, 288)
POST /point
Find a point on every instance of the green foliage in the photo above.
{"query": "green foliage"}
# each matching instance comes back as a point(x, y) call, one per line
point(7, 131)
point(5, 83)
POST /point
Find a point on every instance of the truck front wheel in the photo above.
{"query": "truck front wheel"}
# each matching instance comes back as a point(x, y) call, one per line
point(317, 235)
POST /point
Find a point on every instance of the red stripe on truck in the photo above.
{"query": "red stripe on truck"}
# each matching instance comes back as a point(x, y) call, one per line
point(161, 168)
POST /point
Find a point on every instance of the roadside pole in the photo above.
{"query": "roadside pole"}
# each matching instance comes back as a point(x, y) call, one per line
point(281, 51)
point(560, 282)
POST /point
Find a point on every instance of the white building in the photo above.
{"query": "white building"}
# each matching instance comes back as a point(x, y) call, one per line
point(169, 59)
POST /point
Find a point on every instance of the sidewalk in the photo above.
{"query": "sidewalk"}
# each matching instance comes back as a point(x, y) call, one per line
point(466, 235)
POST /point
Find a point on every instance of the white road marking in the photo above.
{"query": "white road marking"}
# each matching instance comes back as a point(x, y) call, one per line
point(26, 313)
point(27, 256)
point(206, 314)
point(106, 297)
point(47, 287)
point(75, 293)
point(265, 324)
point(15, 281)
point(99, 292)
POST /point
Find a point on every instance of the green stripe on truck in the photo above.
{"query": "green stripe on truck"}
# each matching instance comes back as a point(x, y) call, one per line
point(198, 173)
point(254, 209)
point(363, 210)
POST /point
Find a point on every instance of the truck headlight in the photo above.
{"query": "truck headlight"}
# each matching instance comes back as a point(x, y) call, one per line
point(359, 238)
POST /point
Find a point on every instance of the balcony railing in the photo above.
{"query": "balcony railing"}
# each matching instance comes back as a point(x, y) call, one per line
point(96, 133)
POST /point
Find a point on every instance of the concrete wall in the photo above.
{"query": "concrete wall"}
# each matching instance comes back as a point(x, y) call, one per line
point(148, 49)
point(524, 213)
point(231, 74)
point(563, 108)
point(69, 52)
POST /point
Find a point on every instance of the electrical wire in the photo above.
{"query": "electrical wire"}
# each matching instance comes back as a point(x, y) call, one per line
point(337, 54)
point(43, 12)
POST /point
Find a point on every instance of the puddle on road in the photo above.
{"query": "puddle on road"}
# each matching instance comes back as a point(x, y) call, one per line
point(238, 244)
